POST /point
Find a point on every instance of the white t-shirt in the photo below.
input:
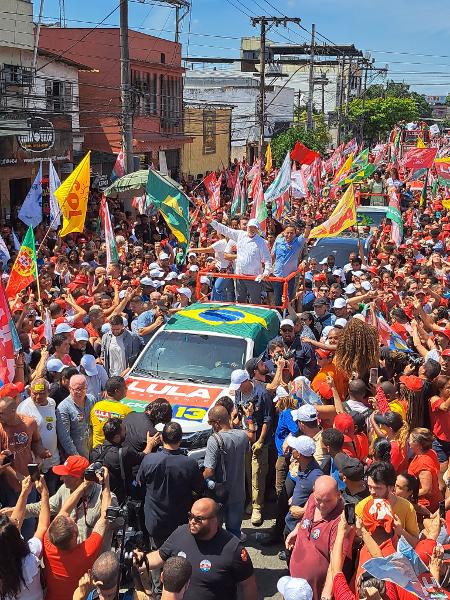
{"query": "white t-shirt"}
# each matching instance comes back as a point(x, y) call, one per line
point(32, 590)
point(117, 358)
point(219, 251)
point(45, 418)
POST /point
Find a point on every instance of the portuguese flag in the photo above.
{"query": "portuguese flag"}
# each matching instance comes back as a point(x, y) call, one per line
point(24, 270)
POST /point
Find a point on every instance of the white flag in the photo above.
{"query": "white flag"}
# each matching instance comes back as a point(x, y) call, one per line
point(434, 129)
point(16, 241)
point(4, 252)
point(48, 331)
point(30, 212)
point(53, 184)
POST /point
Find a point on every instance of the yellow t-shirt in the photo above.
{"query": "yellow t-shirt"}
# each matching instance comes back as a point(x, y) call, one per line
point(101, 412)
point(402, 508)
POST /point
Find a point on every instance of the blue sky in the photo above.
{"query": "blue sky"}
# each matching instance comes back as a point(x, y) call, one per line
point(411, 36)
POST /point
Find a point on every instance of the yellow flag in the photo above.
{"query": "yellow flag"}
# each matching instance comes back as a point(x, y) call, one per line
point(72, 196)
point(344, 170)
point(446, 203)
point(343, 217)
point(269, 158)
point(420, 143)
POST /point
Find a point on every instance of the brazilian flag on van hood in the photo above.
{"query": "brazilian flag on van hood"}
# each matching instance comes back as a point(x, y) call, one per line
point(259, 324)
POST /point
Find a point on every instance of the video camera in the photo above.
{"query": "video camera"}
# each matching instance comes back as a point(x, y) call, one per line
point(93, 471)
point(129, 537)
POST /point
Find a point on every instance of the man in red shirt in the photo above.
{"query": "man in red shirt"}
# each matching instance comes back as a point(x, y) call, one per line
point(65, 560)
point(312, 539)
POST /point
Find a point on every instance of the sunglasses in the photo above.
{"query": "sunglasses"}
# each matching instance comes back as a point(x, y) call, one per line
point(197, 518)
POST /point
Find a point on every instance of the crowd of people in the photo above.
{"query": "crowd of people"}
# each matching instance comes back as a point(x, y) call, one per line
point(341, 427)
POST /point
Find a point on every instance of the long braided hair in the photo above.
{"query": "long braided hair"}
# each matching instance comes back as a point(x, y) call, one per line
point(415, 413)
point(358, 348)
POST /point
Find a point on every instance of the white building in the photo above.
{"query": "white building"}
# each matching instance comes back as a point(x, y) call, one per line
point(39, 117)
point(242, 92)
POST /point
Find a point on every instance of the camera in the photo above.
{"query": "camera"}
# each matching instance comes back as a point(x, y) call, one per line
point(93, 471)
point(415, 360)
point(8, 459)
point(283, 355)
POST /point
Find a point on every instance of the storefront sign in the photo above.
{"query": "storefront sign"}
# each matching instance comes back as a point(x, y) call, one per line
point(40, 136)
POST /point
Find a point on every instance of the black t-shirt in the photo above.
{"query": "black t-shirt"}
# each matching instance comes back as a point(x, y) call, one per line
point(76, 354)
point(136, 427)
point(218, 565)
point(58, 392)
point(350, 498)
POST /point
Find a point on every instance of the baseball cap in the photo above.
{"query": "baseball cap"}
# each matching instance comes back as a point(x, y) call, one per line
point(303, 444)
point(323, 353)
point(204, 279)
point(75, 466)
point(366, 285)
point(357, 273)
point(238, 376)
point(193, 268)
point(446, 352)
point(82, 300)
point(156, 273)
point(253, 223)
point(251, 364)
point(339, 303)
point(106, 327)
point(445, 332)
point(340, 322)
point(163, 256)
point(344, 423)
point(171, 275)
point(294, 588)
point(350, 289)
point(287, 323)
point(281, 392)
point(64, 328)
point(192, 254)
point(81, 335)
point(146, 281)
point(324, 390)
point(305, 413)
point(185, 291)
point(320, 302)
point(391, 419)
point(54, 365)
point(351, 467)
point(337, 272)
point(89, 365)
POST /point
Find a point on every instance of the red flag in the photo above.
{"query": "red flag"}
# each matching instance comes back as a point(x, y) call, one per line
point(212, 185)
point(303, 155)
point(7, 328)
point(419, 158)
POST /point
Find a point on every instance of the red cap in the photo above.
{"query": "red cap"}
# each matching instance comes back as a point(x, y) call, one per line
point(445, 332)
point(60, 302)
point(60, 320)
point(446, 352)
point(412, 382)
point(85, 300)
point(344, 423)
point(323, 353)
point(382, 256)
point(320, 277)
point(75, 466)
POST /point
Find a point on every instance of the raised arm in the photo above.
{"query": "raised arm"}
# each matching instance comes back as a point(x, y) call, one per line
point(18, 514)
point(232, 234)
point(44, 514)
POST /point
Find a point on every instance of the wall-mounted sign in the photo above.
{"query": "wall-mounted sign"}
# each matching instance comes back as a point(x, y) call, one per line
point(40, 136)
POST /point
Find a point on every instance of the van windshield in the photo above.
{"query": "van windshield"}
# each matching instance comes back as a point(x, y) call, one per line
point(200, 358)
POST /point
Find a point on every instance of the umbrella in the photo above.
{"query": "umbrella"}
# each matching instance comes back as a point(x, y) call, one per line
point(134, 184)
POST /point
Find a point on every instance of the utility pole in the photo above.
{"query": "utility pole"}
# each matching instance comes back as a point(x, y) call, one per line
point(309, 121)
point(125, 90)
point(265, 24)
point(341, 99)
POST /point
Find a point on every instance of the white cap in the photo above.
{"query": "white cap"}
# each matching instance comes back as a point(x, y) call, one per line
point(157, 284)
point(357, 273)
point(156, 273)
point(324, 261)
point(350, 289)
point(122, 294)
point(238, 377)
point(305, 413)
point(192, 254)
point(303, 444)
point(185, 291)
point(171, 275)
point(146, 281)
point(294, 588)
point(287, 322)
point(366, 285)
point(163, 256)
point(182, 276)
point(340, 303)
point(325, 331)
point(340, 322)
point(64, 328)
point(106, 328)
point(204, 279)
point(153, 265)
point(281, 392)
point(54, 365)
point(193, 268)
point(81, 335)
point(337, 272)
point(253, 223)
point(89, 365)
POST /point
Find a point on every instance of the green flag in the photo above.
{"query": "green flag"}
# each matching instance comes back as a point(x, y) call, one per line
point(360, 175)
point(173, 204)
point(24, 270)
point(362, 159)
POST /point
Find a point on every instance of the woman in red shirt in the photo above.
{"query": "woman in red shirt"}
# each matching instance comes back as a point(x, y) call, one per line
point(425, 466)
point(440, 423)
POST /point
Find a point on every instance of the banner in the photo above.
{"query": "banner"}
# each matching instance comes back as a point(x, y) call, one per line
point(282, 182)
point(259, 209)
point(4, 252)
point(344, 170)
point(112, 256)
point(24, 270)
point(72, 196)
point(9, 341)
point(269, 158)
point(30, 212)
point(212, 185)
point(237, 198)
point(343, 217)
point(393, 213)
point(419, 158)
point(119, 167)
point(53, 185)
point(443, 171)
point(303, 155)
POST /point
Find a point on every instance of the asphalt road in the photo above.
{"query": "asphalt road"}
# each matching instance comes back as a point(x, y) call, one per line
point(268, 567)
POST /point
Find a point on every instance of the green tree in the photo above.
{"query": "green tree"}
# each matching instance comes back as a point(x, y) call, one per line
point(318, 139)
point(425, 110)
point(378, 116)
point(447, 100)
point(392, 89)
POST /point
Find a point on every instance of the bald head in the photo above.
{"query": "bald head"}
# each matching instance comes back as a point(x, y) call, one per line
point(77, 388)
point(219, 414)
point(205, 507)
point(326, 494)
point(77, 381)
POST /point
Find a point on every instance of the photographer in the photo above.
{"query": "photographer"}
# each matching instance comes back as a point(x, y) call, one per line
point(120, 460)
point(65, 559)
point(170, 478)
point(303, 352)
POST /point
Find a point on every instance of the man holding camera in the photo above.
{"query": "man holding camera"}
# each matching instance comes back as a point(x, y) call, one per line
point(170, 478)
point(302, 352)
point(248, 392)
point(65, 559)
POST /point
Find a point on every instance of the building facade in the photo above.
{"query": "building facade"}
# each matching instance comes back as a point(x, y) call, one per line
point(157, 91)
point(39, 115)
point(209, 126)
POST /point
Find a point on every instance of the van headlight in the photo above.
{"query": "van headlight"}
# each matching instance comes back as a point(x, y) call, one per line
point(194, 441)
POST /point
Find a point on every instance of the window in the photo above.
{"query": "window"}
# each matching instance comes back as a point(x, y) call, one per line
point(163, 58)
point(59, 95)
point(17, 75)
